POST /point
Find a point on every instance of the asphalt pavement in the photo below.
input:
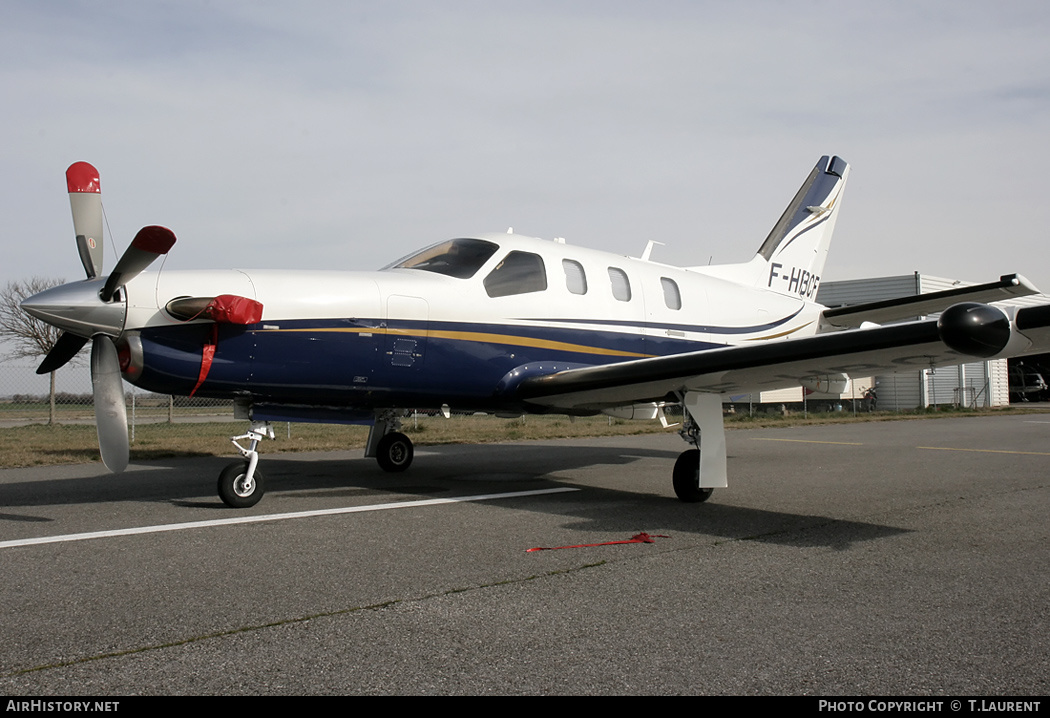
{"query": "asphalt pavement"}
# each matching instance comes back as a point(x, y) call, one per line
point(890, 558)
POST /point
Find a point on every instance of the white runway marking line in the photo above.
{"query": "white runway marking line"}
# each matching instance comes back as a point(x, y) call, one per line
point(275, 517)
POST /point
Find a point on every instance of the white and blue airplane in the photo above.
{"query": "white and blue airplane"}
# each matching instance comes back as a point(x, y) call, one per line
point(505, 324)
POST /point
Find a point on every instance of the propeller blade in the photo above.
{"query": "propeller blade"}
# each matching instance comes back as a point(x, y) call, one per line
point(111, 416)
point(149, 243)
point(85, 199)
point(65, 349)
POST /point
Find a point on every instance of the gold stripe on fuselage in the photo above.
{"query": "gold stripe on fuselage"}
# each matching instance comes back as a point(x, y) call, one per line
point(505, 339)
point(485, 337)
point(781, 334)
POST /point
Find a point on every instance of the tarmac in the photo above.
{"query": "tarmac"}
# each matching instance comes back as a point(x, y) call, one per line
point(875, 559)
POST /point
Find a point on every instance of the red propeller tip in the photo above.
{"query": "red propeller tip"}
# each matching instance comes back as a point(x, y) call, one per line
point(82, 177)
point(157, 240)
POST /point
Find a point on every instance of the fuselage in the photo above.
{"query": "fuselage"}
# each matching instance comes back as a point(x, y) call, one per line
point(417, 335)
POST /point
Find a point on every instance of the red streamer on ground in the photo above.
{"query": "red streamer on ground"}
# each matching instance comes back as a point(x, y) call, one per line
point(637, 538)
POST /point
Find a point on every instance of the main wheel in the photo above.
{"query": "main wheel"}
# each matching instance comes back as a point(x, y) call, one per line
point(686, 478)
point(234, 489)
point(394, 452)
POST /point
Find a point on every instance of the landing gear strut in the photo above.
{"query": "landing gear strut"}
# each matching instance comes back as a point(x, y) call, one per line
point(696, 474)
point(240, 485)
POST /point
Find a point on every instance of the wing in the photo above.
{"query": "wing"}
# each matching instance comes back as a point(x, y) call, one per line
point(964, 332)
point(1009, 286)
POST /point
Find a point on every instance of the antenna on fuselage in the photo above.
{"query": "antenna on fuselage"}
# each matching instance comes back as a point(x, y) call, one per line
point(649, 249)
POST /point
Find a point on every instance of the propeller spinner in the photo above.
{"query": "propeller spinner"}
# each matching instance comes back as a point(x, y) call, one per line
point(95, 310)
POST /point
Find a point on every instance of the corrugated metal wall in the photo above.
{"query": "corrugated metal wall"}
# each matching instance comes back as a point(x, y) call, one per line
point(980, 383)
point(859, 291)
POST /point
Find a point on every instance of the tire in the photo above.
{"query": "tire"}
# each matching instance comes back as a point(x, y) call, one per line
point(394, 452)
point(686, 478)
point(231, 488)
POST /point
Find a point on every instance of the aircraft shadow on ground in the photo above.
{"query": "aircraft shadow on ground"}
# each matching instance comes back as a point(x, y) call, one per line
point(460, 471)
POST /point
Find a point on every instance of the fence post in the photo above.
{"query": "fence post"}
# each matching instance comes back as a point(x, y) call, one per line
point(51, 410)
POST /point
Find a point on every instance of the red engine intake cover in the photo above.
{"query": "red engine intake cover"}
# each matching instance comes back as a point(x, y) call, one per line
point(231, 309)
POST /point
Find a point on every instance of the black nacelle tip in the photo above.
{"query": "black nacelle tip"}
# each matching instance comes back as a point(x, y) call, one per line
point(974, 329)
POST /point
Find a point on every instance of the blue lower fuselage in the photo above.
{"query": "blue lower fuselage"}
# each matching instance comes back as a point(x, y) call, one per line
point(366, 364)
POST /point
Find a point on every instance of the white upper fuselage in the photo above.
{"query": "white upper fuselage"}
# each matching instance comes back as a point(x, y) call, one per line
point(712, 310)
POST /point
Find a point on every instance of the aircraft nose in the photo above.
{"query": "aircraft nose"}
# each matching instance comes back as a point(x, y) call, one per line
point(76, 308)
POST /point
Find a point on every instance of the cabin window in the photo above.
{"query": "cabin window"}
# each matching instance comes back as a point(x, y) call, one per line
point(459, 258)
point(621, 285)
point(575, 278)
point(518, 273)
point(672, 297)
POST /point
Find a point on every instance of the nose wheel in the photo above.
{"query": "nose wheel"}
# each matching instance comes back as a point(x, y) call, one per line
point(240, 483)
point(237, 488)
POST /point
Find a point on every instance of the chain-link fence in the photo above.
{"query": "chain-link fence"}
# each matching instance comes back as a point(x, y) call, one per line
point(25, 399)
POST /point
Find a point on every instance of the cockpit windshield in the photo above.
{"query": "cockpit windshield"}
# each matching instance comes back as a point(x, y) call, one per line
point(459, 258)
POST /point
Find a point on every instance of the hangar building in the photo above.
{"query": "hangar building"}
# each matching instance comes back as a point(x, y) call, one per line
point(975, 384)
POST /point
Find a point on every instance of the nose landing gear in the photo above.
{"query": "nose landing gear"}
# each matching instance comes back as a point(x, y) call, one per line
point(240, 485)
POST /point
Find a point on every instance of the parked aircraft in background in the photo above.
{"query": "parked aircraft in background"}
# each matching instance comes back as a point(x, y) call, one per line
point(505, 324)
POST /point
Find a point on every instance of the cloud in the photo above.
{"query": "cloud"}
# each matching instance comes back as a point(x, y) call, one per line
point(334, 134)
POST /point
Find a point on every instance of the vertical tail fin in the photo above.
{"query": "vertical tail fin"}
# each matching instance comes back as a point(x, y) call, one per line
point(795, 251)
point(791, 260)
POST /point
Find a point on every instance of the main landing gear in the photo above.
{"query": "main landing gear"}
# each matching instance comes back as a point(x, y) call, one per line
point(392, 450)
point(696, 474)
point(686, 478)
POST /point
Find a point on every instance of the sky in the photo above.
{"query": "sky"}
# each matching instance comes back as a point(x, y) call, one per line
point(344, 135)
